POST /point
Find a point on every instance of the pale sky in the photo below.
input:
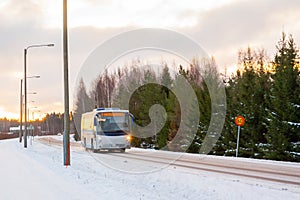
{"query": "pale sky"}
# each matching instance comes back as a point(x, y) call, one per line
point(221, 27)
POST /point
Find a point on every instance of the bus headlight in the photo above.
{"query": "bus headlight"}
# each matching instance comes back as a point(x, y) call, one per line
point(128, 137)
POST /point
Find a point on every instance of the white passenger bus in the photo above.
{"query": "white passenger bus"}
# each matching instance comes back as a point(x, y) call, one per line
point(106, 129)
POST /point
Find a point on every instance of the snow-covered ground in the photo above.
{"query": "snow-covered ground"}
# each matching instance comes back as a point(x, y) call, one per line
point(38, 173)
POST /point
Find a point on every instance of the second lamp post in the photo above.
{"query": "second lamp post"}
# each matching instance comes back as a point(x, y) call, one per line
point(25, 87)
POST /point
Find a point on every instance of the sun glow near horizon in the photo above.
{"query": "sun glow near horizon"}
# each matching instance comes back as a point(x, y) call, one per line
point(38, 113)
point(8, 115)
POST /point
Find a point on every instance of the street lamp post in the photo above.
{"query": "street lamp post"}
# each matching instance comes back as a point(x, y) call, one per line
point(25, 86)
point(28, 118)
point(21, 107)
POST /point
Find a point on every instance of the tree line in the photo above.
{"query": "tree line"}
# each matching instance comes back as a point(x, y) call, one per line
point(51, 124)
point(265, 91)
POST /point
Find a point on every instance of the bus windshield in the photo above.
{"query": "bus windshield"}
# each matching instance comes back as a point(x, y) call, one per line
point(115, 122)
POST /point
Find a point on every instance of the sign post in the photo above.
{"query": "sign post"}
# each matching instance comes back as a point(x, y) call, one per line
point(239, 121)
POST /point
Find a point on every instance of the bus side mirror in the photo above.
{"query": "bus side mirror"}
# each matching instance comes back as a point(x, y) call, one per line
point(95, 121)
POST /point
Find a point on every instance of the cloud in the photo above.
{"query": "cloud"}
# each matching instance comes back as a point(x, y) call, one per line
point(228, 28)
point(23, 12)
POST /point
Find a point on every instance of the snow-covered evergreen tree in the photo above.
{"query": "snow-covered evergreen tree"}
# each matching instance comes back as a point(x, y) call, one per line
point(284, 115)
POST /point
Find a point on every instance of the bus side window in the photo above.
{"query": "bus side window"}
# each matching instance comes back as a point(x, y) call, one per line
point(131, 122)
point(132, 119)
point(95, 121)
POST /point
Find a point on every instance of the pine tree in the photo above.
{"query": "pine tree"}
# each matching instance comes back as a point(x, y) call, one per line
point(284, 113)
point(83, 104)
point(252, 97)
point(214, 107)
point(246, 93)
point(206, 83)
point(169, 105)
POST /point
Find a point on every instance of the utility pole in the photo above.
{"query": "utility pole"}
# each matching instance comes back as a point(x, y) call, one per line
point(66, 139)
